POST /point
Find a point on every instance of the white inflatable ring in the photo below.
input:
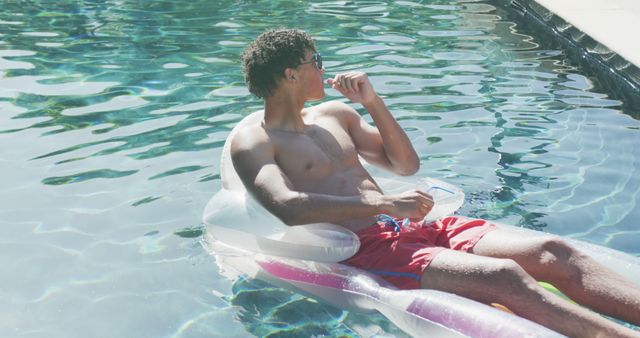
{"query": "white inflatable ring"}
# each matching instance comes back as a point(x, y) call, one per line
point(235, 218)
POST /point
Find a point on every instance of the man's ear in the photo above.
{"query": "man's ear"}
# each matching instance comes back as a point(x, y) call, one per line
point(290, 74)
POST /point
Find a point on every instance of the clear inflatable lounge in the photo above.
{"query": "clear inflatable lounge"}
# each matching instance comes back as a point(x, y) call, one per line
point(245, 237)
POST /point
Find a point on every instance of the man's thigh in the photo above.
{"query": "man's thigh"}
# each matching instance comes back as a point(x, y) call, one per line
point(533, 252)
point(473, 276)
point(508, 243)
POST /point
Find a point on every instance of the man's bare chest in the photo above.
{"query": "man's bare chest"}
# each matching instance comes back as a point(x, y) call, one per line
point(317, 153)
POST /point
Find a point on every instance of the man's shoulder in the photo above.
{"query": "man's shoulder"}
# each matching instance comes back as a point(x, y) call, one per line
point(334, 109)
point(249, 137)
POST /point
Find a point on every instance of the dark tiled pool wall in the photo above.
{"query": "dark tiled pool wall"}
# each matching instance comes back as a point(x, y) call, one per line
point(621, 77)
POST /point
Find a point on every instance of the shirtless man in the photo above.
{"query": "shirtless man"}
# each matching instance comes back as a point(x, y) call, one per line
point(302, 165)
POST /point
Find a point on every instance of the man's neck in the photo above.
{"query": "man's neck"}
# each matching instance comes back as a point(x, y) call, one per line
point(283, 112)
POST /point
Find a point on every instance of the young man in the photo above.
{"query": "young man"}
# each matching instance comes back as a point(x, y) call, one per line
point(302, 165)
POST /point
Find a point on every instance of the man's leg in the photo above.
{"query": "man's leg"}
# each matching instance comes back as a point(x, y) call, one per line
point(494, 280)
point(550, 259)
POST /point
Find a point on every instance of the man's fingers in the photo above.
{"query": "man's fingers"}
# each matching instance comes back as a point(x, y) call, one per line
point(423, 196)
point(350, 81)
point(347, 84)
point(422, 192)
point(421, 214)
point(427, 209)
point(426, 198)
point(426, 206)
point(354, 81)
point(340, 89)
point(356, 84)
point(336, 84)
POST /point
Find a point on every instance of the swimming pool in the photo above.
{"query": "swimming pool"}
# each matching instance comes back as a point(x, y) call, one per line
point(113, 115)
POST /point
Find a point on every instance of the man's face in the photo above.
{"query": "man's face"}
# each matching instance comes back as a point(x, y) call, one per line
point(311, 76)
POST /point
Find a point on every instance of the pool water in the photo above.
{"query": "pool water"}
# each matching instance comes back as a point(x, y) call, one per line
point(113, 115)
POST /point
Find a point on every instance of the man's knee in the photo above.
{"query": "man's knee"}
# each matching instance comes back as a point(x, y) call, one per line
point(554, 249)
point(557, 258)
point(557, 247)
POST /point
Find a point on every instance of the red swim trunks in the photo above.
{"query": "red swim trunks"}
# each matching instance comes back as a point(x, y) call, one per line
point(400, 257)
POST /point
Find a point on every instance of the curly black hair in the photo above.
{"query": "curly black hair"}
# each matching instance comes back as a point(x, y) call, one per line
point(265, 59)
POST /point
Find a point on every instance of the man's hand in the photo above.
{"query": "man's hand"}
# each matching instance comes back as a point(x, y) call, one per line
point(355, 86)
point(414, 204)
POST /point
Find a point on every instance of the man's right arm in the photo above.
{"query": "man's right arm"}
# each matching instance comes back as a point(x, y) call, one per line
point(253, 158)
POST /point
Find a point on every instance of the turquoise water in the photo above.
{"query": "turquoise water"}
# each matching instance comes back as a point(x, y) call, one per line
point(113, 115)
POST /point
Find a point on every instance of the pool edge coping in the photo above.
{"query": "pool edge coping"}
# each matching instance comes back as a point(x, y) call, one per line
point(609, 64)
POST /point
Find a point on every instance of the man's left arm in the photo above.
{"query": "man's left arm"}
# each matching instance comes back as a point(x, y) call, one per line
point(387, 145)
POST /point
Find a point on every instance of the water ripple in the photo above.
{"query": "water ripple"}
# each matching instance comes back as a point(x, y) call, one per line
point(114, 104)
point(11, 87)
point(100, 173)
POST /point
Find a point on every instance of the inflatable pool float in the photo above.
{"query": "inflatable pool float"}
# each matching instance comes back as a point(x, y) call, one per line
point(245, 238)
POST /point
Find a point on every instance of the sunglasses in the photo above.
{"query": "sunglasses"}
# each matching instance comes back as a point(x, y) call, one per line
point(317, 58)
